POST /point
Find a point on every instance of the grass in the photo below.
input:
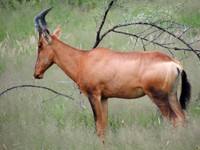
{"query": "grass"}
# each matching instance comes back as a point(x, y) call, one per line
point(26, 122)
point(191, 17)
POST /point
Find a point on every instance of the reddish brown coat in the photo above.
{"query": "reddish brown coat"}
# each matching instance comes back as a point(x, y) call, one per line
point(102, 73)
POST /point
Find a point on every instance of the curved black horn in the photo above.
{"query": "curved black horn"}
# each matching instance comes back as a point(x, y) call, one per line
point(41, 17)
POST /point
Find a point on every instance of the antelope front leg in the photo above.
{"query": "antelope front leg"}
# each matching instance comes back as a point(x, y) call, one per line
point(95, 102)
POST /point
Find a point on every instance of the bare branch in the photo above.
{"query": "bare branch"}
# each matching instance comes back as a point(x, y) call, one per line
point(98, 38)
point(194, 42)
point(50, 99)
point(185, 31)
point(154, 42)
point(35, 86)
point(143, 45)
point(151, 41)
point(159, 28)
point(140, 33)
point(135, 43)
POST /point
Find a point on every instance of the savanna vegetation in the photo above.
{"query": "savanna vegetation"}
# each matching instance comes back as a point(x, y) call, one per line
point(32, 118)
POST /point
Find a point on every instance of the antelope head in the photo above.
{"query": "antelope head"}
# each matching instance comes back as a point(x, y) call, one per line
point(45, 49)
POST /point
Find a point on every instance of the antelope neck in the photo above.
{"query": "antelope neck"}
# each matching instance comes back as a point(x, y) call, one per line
point(67, 58)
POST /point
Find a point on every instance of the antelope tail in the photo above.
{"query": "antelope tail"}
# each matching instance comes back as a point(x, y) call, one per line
point(185, 91)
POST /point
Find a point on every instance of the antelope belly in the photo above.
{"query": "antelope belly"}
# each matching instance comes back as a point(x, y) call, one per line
point(124, 93)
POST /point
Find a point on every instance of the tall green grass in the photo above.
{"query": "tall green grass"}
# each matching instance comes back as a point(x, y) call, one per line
point(26, 122)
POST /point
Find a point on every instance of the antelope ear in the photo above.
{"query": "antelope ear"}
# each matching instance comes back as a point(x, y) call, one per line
point(57, 31)
point(47, 36)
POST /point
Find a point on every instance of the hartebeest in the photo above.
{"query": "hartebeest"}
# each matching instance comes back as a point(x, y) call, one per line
point(103, 73)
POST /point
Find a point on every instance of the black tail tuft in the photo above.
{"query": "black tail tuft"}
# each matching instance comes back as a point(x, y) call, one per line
point(185, 91)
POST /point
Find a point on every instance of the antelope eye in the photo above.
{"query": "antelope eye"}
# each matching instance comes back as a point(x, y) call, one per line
point(40, 46)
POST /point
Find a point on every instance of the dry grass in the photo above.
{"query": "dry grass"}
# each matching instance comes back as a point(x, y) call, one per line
point(28, 123)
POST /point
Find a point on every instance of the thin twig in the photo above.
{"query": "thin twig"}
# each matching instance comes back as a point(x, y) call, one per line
point(152, 24)
point(35, 86)
point(143, 45)
point(102, 23)
point(50, 99)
